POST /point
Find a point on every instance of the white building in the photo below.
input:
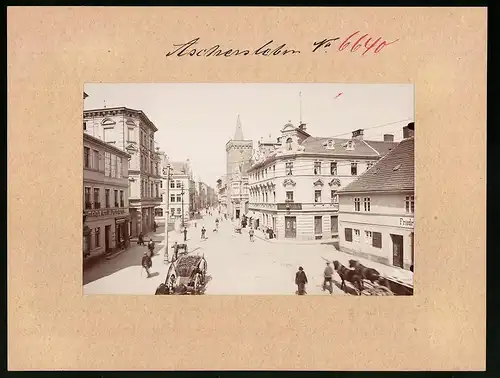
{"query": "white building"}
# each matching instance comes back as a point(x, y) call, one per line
point(181, 192)
point(376, 214)
point(131, 131)
point(294, 183)
point(105, 197)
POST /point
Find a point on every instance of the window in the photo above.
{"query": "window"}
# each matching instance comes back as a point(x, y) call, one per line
point(178, 184)
point(329, 144)
point(289, 144)
point(274, 196)
point(357, 204)
point(368, 237)
point(106, 198)
point(119, 167)
point(122, 200)
point(369, 165)
point(356, 236)
point(84, 125)
point(348, 234)
point(289, 196)
point(107, 164)
point(151, 167)
point(86, 157)
point(116, 198)
point(95, 160)
point(317, 196)
point(151, 193)
point(113, 165)
point(333, 168)
point(334, 196)
point(178, 210)
point(97, 203)
point(377, 239)
point(172, 198)
point(179, 198)
point(88, 202)
point(130, 134)
point(317, 167)
point(289, 168)
point(97, 237)
point(354, 169)
point(410, 204)
point(172, 184)
point(161, 184)
point(366, 202)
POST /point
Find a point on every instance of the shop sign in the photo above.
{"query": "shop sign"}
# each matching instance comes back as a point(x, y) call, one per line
point(104, 212)
point(406, 222)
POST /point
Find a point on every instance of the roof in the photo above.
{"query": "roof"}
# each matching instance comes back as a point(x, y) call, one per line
point(122, 109)
point(179, 167)
point(238, 133)
point(361, 147)
point(394, 172)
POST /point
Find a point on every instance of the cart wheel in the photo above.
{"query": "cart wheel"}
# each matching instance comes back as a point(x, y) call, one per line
point(196, 283)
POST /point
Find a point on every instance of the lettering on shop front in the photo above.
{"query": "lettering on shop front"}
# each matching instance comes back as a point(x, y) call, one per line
point(406, 222)
point(104, 212)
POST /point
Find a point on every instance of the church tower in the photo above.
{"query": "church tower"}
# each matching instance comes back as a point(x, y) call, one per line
point(238, 151)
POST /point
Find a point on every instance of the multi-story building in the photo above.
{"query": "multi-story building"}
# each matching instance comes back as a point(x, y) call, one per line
point(238, 161)
point(211, 197)
point(181, 192)
point(131, 131)
point(376, 215)
point(222, 195)
point(294, 183)
point(105, 197)
point(160, 210)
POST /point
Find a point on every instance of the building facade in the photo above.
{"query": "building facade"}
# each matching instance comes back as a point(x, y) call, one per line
point(131, 131)
point(181, 193)
point(238, 161)
point(222, 195)
point(376, 214)
point(294, 182)
point(105, 197)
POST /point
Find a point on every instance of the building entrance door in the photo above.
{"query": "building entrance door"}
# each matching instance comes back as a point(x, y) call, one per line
point(290, 227)
point(397, 250)
point(107, 238)
point(237, 214)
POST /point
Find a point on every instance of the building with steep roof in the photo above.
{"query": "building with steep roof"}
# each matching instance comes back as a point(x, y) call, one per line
point(238, 161)
point(376, 211)
point(294, 181)
point(131, 131)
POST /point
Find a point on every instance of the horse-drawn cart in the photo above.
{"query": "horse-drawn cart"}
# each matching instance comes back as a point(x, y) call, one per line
point(186, 275)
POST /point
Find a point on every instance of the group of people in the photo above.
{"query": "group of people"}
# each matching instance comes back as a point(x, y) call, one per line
point(301, 280)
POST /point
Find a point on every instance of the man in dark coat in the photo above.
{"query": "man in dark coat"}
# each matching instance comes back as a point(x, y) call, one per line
point(185, 233)
point(301, 281)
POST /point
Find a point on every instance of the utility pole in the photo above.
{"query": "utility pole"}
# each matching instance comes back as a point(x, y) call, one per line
point(166, 213)
point(182, 204)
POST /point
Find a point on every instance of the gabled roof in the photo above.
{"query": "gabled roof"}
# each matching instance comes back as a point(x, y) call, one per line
point(179, 167)
point(394, 172)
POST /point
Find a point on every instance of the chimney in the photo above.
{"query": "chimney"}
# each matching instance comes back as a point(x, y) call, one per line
point(409, 130)
point(357, 134)
point(388, 138)
point(302, 126)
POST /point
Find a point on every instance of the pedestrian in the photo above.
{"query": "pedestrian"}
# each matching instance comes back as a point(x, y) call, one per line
point(140, 239)
point(154, 226)
point(203, 232)
point(251, 232)
point(147, 263)
point(328, 277)
point(185, 233)
point(176, 250)
point(301, 281)
point(151, 247)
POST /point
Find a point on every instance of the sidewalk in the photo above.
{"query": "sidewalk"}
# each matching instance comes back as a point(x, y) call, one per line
point(261, 235)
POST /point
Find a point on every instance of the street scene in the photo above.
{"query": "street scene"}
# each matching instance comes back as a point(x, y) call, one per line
point(175, 203)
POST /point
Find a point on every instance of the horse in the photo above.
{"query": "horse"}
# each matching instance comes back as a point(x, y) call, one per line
point(370, 274)
point(350, 275)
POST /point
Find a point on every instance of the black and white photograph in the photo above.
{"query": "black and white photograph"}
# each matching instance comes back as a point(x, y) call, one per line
point(248, 189)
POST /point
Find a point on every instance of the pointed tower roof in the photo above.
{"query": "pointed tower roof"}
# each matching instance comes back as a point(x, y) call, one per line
point(238, 134)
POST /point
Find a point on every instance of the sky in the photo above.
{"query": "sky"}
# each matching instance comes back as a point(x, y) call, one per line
point(195, 121)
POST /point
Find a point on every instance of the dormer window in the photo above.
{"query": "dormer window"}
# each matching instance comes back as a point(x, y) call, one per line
point(329, 144)
point(349, 145)
point(289, 144)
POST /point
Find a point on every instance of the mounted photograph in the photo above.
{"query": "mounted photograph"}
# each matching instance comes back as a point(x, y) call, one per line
point(248, 189)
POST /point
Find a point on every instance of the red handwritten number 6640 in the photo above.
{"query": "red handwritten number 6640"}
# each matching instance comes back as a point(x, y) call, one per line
point(368, 45)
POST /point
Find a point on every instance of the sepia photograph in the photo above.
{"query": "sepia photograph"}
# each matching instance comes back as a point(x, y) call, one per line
point(248, 189)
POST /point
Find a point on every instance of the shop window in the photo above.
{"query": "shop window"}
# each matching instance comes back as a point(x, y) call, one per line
point(348, 234)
